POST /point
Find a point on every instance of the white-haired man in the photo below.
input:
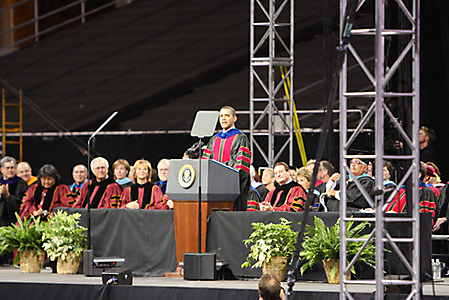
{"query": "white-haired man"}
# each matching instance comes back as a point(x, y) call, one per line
point(103, 190)
point(163, 167)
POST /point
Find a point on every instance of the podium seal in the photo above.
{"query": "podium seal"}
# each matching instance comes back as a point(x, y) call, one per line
point(186, 176)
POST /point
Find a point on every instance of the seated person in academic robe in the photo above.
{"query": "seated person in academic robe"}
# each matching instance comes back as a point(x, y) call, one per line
point(25, 172)
point(163, 167)
point(121, 169)
point(288, 196)
point(256, 193)
point(427, 198)
point(304, 177)
point(40, 199)
point(103, 190)
point(325, 170)
point(430, 173)
point(12, 189)
point(354, 197)
point(142, 193)
point(79, 174)
point(268, 179)
point(442, 205)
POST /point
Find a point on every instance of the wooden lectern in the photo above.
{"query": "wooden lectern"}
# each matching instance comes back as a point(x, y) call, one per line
point(220, 187)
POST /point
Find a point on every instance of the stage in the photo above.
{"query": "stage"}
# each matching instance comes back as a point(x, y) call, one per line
point(15, 285)
point(147, 240)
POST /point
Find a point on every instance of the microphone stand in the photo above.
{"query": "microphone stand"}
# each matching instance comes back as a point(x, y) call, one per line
point(199, 196)
point(89, 246)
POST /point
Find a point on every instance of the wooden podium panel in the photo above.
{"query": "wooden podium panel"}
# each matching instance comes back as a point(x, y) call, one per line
point(186, 224)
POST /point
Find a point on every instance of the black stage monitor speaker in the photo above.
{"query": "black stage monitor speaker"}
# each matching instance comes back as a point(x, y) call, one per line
point(117, 276)
point(199, 266)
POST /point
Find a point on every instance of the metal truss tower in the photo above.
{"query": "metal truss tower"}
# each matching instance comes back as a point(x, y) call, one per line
point(271, 78)
point(380, 75)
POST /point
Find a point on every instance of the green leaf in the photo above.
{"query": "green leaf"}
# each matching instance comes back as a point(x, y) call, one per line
point(268, 241)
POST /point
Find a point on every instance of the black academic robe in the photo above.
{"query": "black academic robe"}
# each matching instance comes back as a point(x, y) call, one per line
point(11, 204)
point(354, 197)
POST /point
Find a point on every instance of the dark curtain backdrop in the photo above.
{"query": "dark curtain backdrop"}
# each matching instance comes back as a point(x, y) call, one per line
point(435, 75)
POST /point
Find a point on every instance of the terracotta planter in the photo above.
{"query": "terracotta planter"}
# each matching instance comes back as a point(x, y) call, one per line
point(69, 265)
point(277, 267)
point(31, 261)
point(328, 266)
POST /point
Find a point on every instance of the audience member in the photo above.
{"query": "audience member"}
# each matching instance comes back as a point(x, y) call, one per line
point(103, 190)
point(268, 179)
point(120, 169)
point(231, 147)
point(42, 198)
point(79, 175)
point(143, 194)
point(25, 172)
point(354, 197)
point(426, 137)
point(288, 196)
point(163, 167)
point(270, 288)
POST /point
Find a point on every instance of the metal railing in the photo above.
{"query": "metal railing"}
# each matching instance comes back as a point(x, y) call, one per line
point(84, 12)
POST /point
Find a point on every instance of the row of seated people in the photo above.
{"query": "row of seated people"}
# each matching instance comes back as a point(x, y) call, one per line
point(283, 189)
point(40, 197)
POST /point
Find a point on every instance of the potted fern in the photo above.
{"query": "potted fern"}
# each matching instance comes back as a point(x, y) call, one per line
point(271, 245)
point(65, 241)
point(26, 238)
point(323, 243)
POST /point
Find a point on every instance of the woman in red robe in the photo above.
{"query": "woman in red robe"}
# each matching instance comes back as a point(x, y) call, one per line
point(142, 193)
point(40, 199)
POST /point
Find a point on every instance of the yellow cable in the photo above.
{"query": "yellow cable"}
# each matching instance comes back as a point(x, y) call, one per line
point(298, 134)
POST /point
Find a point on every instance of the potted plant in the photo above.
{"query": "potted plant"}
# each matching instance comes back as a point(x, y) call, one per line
point(65, 240)
point(271, 245)
point(26, 238)
point(323, 243)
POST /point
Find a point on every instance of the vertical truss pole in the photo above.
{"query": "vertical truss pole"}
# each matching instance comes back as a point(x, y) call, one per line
point(271, 43)
point(380, 79)
point(379, 42)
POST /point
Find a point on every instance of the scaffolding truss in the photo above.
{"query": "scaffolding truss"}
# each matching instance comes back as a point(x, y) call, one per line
point(380, 75)
point(271, 78)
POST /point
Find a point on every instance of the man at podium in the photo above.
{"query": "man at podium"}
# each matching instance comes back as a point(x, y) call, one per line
point(231, 147)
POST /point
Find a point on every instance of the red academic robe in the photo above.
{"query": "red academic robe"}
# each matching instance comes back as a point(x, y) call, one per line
point(38, 197)
point(289, 197)
point(105, 194)
point(148, 196)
